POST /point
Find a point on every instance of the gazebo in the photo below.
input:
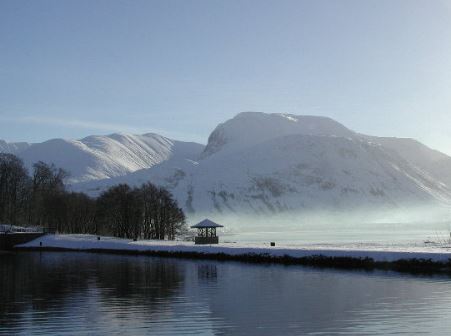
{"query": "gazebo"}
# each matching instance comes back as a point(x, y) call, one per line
point(206, 232)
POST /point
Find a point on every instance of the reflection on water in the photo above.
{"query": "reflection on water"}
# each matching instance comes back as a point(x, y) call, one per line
point(207, 272)
point(92, 294)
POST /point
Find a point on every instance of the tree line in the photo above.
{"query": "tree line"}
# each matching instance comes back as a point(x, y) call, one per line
point(41, 199)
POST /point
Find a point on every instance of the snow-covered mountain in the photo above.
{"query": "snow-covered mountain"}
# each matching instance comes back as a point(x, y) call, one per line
point(278, 163)
point(251, 128)
point(102, 157)
point(12, 147)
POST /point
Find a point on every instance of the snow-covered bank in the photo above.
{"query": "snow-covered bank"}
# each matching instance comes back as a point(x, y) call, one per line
point(376, 253)
point(8, 228)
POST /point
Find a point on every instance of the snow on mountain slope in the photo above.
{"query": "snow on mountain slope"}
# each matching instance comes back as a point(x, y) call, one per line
point(275, 163)
point(435, 163)
point(250, 128)
point(12, 147)
point(100, 157)
point(306, 172)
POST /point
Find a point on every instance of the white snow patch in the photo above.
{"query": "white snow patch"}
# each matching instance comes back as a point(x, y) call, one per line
point(377, 253)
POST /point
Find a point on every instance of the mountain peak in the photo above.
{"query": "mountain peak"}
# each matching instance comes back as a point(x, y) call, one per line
point(103, 156)
point(12, 147)
point(249, 128)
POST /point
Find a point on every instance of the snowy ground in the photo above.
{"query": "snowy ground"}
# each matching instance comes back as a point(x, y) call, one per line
point(13, 228)
point(378, 252)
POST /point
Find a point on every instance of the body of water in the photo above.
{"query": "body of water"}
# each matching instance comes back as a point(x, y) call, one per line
point(52, 293)
point(399, 234)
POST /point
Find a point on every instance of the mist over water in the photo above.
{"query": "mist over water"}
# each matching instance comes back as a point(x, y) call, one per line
point(403, 226)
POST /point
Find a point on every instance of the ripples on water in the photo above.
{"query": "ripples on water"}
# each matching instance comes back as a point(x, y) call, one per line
point(93, 294)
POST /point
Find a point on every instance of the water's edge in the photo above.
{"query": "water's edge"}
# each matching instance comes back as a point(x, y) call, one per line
point(413, 266)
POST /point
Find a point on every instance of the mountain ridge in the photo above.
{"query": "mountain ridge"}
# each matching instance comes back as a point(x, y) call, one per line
point(258, 163)
point(297, 167)
point(104, 156)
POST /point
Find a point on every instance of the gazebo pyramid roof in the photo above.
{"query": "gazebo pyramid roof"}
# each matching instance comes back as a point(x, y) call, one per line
point(206, 223)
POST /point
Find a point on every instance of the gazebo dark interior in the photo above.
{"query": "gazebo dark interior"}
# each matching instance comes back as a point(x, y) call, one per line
point(206, 232)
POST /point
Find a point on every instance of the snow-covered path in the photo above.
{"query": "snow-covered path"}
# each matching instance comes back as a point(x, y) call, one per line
point(376, 252)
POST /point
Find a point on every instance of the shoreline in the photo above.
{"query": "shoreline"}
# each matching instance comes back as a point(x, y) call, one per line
point(412, 266)
point(414, 260)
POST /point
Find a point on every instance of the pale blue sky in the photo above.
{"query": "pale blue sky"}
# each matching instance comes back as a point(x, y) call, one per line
point(73, 68)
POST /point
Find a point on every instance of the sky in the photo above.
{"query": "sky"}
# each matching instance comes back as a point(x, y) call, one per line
point(179, 67)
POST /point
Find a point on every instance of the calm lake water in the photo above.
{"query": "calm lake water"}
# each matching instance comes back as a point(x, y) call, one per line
point(399, 234)
point(93, 294)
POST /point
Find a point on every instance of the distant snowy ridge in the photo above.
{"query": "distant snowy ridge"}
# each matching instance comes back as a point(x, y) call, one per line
point(100, 157)
point(259, 163)
point(433, 162)
point(13, 147)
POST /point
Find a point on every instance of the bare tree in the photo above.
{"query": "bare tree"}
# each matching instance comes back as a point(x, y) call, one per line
point(162, 218)
point(47, 195)
point(14, 189)
point(148, 196)
point(148, 212)
point(119, 211)
point(73, 213)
